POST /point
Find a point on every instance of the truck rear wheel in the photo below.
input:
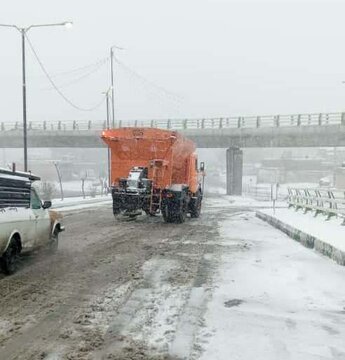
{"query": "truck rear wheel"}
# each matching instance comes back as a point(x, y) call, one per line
point(195, 206)
point(181, 214)
point(116, 211)
point(166, 214)
point(9, 258)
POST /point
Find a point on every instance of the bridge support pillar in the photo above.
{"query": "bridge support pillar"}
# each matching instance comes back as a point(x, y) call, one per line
point(234, 167)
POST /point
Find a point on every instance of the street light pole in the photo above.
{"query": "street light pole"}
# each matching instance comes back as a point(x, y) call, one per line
point(23, 31)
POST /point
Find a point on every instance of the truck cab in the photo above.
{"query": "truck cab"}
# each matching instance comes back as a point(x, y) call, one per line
point(25, 221)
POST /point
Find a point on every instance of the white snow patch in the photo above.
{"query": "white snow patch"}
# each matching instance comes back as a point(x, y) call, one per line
point(329, 231)
point(79, 203)
point(290, 301)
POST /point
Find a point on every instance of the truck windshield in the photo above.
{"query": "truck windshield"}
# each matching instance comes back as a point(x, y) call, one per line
point(132, 183)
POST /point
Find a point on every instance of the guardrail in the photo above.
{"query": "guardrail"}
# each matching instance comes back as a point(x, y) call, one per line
point(263, 192)
point(328, 202)
point(318, 119)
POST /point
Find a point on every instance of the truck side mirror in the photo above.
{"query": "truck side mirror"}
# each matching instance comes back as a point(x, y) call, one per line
point(47, 205)
point(202, 166)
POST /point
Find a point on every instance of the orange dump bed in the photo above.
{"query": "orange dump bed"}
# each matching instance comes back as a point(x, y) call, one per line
point(168, 155)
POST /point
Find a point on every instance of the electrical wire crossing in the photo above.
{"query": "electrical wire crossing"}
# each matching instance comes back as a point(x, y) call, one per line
point(172, 96)
point(64, 97)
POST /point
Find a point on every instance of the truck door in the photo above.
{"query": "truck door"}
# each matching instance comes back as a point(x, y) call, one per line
point(41, 218)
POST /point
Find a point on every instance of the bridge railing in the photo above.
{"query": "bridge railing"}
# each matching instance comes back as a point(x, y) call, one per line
point(318, 119)
point(328, 202)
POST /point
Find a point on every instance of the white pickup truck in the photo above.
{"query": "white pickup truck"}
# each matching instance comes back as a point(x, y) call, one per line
point(25, 222)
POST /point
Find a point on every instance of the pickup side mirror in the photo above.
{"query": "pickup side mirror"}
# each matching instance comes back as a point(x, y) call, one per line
point(202, 166)
point(47, 205)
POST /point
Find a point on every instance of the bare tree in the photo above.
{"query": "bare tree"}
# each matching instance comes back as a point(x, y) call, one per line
point(56, 164)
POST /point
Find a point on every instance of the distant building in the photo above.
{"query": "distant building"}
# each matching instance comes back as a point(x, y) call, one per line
point(286, 170)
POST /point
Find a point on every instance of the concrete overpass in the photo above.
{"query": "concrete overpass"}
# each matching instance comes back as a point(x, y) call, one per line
point(301, 130)
point(233, 133)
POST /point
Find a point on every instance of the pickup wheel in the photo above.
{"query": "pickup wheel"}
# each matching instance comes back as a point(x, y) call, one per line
point(54, 242)
point(9, 258)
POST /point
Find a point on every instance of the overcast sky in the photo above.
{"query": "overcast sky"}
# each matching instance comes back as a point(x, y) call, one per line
point(197, 58)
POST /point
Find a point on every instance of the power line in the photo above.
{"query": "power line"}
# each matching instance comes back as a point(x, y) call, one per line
point(169, 94)
point(55, 86)
point(82, 68)
point(82, 77)
point(163, 99)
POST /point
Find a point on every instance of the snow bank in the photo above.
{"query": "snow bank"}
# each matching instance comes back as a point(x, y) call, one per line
point(79, 203)
point(327, 237)
point(240, 202)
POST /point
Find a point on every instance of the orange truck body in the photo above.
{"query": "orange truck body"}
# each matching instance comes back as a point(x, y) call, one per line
point(168, 155)
point(155, 171)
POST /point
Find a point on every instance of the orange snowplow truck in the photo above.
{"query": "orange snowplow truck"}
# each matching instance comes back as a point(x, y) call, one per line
point(154, 170)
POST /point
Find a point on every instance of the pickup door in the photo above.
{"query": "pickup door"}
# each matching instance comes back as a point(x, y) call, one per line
point(41, 218)
point(16, 220)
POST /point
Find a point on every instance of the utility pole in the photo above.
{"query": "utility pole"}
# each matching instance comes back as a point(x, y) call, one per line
point(107, 94)
point(112, 85)
point(112, 82)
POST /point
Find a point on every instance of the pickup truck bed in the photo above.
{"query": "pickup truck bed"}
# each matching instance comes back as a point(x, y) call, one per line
point(14, 191)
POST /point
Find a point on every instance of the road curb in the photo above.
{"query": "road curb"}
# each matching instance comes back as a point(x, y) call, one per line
point(305, 239)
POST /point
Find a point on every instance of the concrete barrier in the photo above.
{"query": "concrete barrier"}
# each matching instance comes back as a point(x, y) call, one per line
point(305, 239)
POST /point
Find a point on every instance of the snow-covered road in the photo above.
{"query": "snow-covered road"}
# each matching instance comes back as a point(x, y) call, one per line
point(224, 286)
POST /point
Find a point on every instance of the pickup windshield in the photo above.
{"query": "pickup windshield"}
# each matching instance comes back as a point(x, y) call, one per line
point(35, 202)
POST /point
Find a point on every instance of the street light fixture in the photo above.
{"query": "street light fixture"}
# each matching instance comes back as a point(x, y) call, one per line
point(23, 31)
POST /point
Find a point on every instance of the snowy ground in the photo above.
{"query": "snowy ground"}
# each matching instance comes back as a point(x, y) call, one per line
point(224, 286)
point(273, 300)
